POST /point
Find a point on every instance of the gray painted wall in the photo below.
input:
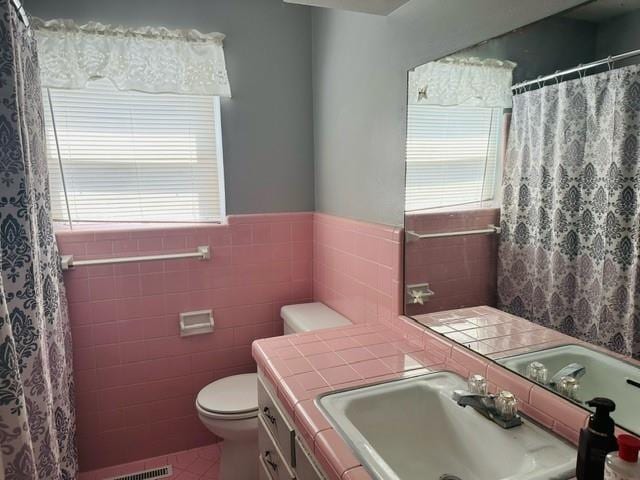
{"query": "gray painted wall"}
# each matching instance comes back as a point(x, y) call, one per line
point(268, 124)
point(360, 65)
point(535, 47)
point(618, 35)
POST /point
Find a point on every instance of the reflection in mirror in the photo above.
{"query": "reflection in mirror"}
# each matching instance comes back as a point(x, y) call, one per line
point(523, 202)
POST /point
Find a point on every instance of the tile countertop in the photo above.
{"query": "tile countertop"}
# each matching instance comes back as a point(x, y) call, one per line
point(302, 366)
point(497, 334)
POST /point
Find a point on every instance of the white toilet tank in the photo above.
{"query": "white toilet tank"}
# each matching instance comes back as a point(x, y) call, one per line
point(306, 317)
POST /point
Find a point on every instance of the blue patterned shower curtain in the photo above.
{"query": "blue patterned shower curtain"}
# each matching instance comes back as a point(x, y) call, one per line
point(37, 421)
point(568, 255)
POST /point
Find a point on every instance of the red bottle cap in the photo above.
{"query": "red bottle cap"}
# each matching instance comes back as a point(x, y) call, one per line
point(628, 447)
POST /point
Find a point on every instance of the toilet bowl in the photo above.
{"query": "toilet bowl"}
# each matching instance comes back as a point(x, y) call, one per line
point(229, 407)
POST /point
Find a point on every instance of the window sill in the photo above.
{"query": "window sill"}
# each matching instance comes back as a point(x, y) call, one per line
point(456, 208)
point(94, 227)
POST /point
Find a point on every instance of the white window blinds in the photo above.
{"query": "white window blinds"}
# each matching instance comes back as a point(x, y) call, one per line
point(452, 155)
point(126, 156)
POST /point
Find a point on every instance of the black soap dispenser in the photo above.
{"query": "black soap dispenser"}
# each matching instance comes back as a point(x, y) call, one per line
point(596, 441)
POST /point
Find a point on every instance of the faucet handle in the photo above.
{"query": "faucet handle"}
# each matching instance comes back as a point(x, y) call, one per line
point(569, 387)
point(507, 405)
point(537, 372)
point(477, 384)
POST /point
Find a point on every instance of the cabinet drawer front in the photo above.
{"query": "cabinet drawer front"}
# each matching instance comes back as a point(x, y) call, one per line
point(271, 455)
point(264, 472)
point(283, 433)
point(305, 467)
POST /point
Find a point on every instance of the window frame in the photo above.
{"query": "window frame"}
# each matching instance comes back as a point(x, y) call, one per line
point(502, 124)
point(70, 223)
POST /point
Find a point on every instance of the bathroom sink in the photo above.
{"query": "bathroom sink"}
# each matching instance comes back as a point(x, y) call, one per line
point(412, 429)
point(605, 376)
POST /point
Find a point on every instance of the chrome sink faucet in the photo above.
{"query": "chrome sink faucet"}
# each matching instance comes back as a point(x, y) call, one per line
point(573, 370)
point(501, 409)
point(566, 381)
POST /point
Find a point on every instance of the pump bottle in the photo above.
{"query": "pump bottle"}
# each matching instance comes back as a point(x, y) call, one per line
point(623, 464)
point(596, 441)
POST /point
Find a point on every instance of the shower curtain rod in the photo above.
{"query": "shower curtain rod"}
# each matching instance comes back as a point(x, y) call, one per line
point(605, 61)
point(21, 12)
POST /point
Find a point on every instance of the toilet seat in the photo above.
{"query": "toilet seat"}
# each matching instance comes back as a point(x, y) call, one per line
point(230, 398)
point(227, 416)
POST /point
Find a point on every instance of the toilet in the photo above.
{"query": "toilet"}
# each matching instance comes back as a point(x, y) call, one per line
point(229, 407)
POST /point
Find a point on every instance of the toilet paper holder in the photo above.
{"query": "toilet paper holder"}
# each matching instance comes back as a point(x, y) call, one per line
point(196, 323)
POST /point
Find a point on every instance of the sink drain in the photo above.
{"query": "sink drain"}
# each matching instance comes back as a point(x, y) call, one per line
point(448, 476)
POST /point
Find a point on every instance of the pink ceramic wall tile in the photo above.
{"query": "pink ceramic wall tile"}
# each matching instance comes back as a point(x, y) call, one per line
point(472, 362)
point(570, 433)
point(107, 355)
point(457, 367)
point(506, 380)
point(536, 414)
point(462, 271)
point(128, 352)
point(551, 404)
point(356, 268)
point(437, 343)
point(84, 358)
point(150, 244)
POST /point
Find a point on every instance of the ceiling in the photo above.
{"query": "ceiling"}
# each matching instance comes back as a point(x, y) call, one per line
point(377, 7)
point(603, 10)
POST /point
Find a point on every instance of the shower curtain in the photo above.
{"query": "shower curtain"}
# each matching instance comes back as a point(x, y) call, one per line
point(37, 422)
point(568, 255)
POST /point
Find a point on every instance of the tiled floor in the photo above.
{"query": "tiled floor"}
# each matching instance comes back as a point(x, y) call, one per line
point(198, 464)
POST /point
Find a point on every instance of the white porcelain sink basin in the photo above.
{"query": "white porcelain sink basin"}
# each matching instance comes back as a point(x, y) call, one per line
point(412, 429)
point(605, 376)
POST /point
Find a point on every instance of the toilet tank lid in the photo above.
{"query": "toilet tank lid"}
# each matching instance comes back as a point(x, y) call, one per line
point(306, 317)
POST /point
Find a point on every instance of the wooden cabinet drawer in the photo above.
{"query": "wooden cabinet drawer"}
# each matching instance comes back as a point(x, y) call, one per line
point(305, 466)
point(275, 421)
point(270, 454)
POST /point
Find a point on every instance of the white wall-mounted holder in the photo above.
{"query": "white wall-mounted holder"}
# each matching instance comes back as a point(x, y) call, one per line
point(196, 323)
point(418, 293)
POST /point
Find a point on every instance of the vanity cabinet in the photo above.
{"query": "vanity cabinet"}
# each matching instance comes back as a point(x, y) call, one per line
point(305, 467)
point(271, 455)
point(282, 454)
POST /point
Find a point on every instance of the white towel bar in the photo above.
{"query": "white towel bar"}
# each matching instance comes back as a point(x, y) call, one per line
point(491, 229)
point(203, 253)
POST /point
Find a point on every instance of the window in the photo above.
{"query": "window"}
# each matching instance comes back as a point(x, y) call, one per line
point(452, 155)
point(126, 156)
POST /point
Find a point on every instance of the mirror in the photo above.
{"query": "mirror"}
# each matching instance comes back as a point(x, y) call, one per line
point(522, 221)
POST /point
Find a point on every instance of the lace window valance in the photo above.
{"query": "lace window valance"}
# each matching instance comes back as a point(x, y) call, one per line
point(152, 60)
point(462, 81)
